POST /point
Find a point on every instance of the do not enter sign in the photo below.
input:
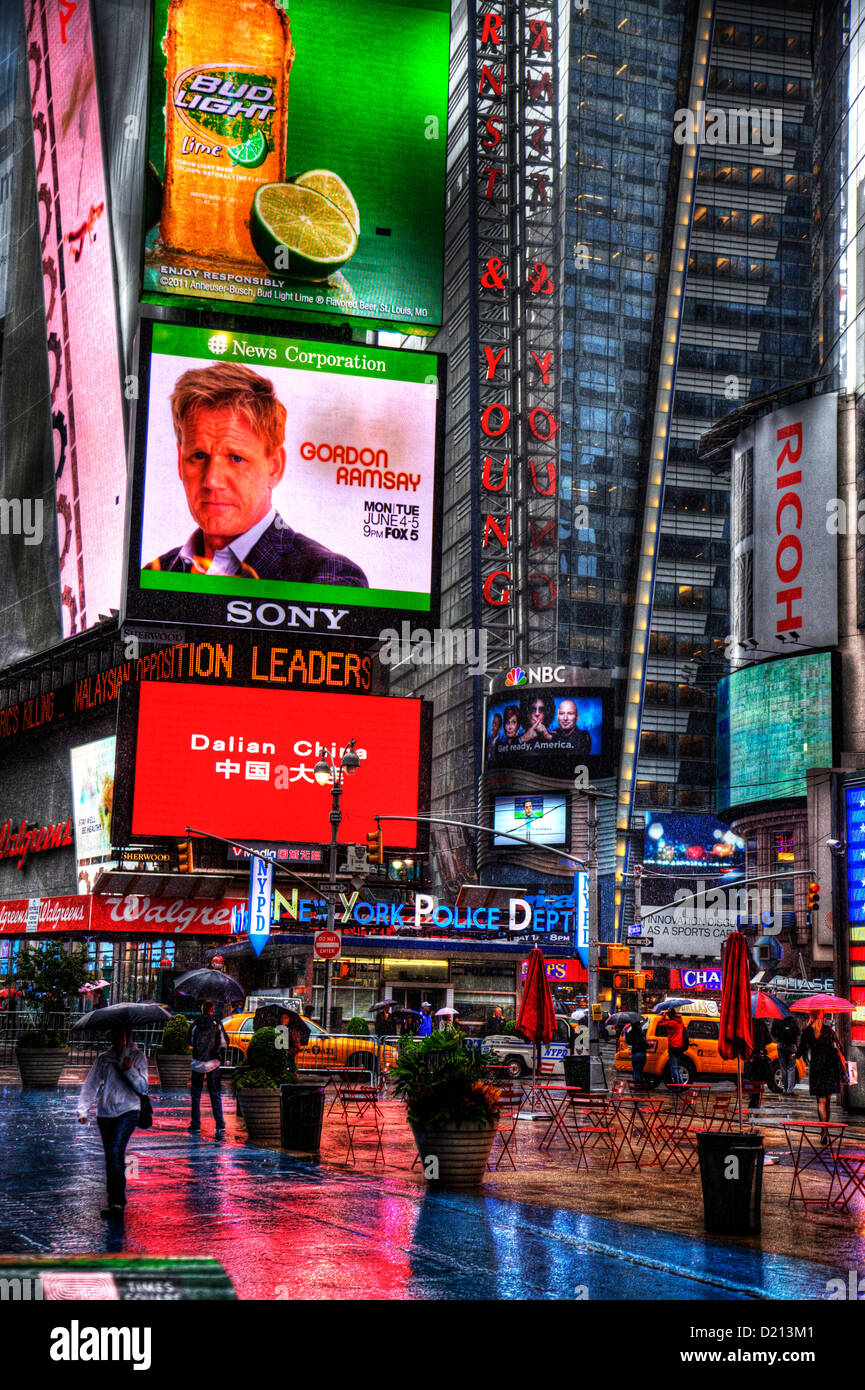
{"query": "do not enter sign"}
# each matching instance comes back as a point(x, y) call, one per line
point(327, 945)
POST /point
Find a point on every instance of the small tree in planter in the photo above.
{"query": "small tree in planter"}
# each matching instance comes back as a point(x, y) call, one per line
point(173, 1056)
point(357, 1026)
point(257, 1085)
point(50, 976)
point(452, 1110)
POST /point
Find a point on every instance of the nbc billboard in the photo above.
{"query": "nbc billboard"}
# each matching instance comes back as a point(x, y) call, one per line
point(239, 763)
point(297, 158)
point(282, 482)
point(550, 732)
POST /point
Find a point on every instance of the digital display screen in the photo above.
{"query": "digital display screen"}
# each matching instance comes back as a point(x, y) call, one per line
point(700, 842)
point(550, 732)
point(283, 482)
point(92, 766)
point(239, 763)
point(297, 158)
point(538, 820)
point(774, 722)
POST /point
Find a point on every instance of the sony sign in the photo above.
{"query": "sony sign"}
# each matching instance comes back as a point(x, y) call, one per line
point(784, 563)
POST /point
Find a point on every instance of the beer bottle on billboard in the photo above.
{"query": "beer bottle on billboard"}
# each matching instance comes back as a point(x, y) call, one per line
point(226, 113)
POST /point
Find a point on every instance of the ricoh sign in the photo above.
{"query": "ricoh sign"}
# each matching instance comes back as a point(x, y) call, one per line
point(794, 581)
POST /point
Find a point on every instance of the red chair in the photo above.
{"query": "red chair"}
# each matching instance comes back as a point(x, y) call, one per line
point(362, 1115)
point(510, 1102)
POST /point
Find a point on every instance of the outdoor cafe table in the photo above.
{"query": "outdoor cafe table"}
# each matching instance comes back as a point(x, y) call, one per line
point(697, 1095)
point(807, 1150)
point(555, 1101)
point(634, 1118)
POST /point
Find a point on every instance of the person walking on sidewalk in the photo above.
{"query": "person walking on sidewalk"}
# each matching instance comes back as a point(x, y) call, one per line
point(678, 1042)
point(636, 1041)
point(207, 1037)
point(115, 1084)
point(785, 1032)
point(827, 1067)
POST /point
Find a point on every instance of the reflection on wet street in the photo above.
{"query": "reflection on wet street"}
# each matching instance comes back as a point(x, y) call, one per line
point(291, 1228)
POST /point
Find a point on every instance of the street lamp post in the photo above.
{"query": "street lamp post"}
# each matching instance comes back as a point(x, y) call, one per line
point(325, 775)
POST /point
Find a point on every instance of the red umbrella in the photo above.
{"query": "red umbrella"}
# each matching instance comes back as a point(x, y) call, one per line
point(537, 1017)
point(822, 1004)
point(736, 1038)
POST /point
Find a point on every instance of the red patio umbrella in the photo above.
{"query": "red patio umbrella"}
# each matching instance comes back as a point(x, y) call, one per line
point(537, 1016)
point(736, 1037)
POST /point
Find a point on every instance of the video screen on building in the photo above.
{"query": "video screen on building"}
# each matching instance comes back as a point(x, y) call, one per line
point(297, 158)
point(92, 767)
point(774, 722)
point(284, 482)
point(538, 820)
point(550, 732)
point(235, 762)
point(676, 839)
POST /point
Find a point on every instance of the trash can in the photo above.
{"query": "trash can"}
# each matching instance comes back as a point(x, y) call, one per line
point(302, 1108)
point(577, 1072)
point(731, 1172)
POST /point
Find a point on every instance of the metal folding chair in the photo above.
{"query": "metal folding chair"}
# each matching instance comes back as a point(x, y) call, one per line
point(511, 1102)
point(362, 1113)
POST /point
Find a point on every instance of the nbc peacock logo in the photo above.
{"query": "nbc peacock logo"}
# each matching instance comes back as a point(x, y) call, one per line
point(515, 676)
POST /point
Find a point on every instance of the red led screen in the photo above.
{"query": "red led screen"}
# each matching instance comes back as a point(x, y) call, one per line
point(236, 762)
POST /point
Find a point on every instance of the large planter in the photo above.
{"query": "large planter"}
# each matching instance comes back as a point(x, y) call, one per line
point(260, 1109)
point(41, 1066)
point(174, 1071)
point(460, 1150)
point(302, 1115)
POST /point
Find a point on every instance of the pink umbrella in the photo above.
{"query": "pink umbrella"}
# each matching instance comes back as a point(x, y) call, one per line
point(822, 1004)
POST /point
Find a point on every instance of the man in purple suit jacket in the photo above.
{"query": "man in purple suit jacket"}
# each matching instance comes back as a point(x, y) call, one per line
point(230, 431)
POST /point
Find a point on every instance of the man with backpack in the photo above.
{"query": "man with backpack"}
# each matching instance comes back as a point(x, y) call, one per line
point(207, 1038)
point(785, 1032)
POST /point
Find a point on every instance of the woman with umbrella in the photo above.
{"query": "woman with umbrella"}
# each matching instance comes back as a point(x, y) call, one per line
point(827, 1066)
point(115, 1084)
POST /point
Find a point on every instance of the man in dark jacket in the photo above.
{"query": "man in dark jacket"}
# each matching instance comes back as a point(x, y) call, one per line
point(207, 1038)
point(785, 1032)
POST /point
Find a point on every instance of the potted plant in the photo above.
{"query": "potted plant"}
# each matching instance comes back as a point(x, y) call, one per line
point(357, 1026)
point(452, 1110)
point(275, 1107)
point(173, 1056)
point(51, 975)
point(257, 1085)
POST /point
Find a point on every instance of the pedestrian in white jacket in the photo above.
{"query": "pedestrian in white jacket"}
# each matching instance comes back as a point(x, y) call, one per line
point(115, 1084)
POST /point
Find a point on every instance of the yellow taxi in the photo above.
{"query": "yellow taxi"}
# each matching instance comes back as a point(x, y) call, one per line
point(324, 1050)
point(702, 1060)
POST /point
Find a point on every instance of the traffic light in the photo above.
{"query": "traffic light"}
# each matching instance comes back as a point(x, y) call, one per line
point(813, 896)
point(374, 847)
point(184, 856)
point(618, 955)
point(639, 979)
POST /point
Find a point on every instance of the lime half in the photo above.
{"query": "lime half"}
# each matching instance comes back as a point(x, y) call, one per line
point(298, 233)
point(331, 187)
point(251, 153)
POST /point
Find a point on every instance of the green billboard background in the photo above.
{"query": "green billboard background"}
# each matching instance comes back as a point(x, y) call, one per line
point(368, 101)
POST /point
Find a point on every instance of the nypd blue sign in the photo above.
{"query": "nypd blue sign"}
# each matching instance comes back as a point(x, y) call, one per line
point(260, 891)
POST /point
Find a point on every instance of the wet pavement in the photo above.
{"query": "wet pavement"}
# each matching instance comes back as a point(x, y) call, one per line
point(289, 1228)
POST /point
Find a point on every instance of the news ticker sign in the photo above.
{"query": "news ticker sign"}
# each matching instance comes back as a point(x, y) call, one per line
point(239, 763)
point(110, 914)
point(287, 662)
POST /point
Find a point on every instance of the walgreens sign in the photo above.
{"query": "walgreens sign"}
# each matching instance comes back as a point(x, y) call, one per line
point(239, 763)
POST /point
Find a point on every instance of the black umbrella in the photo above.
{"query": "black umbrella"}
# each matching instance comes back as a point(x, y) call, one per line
point(210, 984)
point(616, 1019)
point(122, 1016)
point(667, 1004)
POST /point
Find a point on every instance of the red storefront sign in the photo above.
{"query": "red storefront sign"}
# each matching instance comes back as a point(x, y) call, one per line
point(108, 915)
point(562, 972)
point(17, 844)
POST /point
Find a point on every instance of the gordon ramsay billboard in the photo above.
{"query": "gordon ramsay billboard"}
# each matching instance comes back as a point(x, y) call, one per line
point(239, 763)
point(283, 483)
